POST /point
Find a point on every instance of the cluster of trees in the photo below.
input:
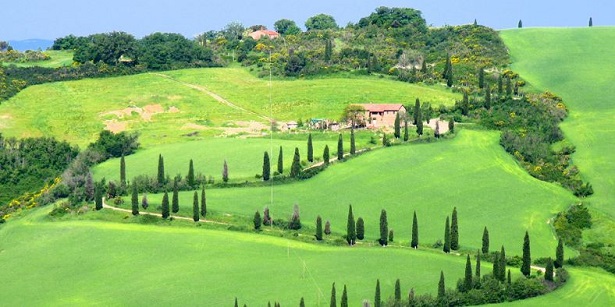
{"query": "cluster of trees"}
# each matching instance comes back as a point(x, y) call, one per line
point(355, 229)
point(15, 56)
point(293, 222)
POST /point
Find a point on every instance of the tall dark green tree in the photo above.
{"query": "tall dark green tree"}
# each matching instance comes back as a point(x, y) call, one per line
point(559, 254)
point(467, 280)
point(465, 104)
point(485, 248)
point(520, 24)
point(236, 303)
point(190, 179)
point(203, 202)
point(225, 172)
point(417, 111)
point(360, 228)
point(295, 168)
point(509, 278)
point(165, 205)
point(447, 66)
point(310, 149)
point(487, 97)
point(325, 155)
point(526, 259)
point(391, 235)
point(302, 302)
point(98, 195)
point(122, 172)
point(319, 228)
point(481, 77)
point(195, 206)
point(502, 266)
point(449, 78)
point(454, 231)
point(344, 301)
point(353, 147)
point(549, 270)
point(500, 85)
point(175, 203)
point(351, 234)
point(384, 228)
point(397, 126)
point(333, 299)
point(415, 232)
point(441, 286)
point(419, 123)
point(477, 273)
point(406, 135)
point(258, 221)
point(280, 161)
point(144, 202)
point(377, 298)
point(591, 22)
point(508, 88)
point(266, 167)
point(447, 237)
point(340, 148)
point(397, 292)
point(160, 177)
point(134, 199)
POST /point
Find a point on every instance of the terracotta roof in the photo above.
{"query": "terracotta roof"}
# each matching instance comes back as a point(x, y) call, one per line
point(381, 107)
point(260, 33)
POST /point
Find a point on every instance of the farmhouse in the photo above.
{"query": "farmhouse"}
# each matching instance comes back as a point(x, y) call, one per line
point(256, 35)
point(382, 115)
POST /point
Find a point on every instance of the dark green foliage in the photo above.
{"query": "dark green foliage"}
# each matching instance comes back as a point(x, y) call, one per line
point(419, 124)
point(441, 286)
point(144, 202)
point(477, 273)
point(320, 22)
point(391, 235)
point(591, 22)
point(257, 220)
point(353, 147)
point(360, 229)
point(502, 266)
point(344, 302)
point(195, 206)
point(286, 27)
point(325, 155)
point(385, 140)
point(527, 258)
point(509, 278)
point(190, 179)
point(397, 126)
point(417, 111)
point(236, 304)
point(520, 24)
point(467, 280)
point(295, 220)
point(327, 227)
point(122, 171)
point(377, 298)
point(295, 169)
point(451, 125)
point(454, 231)
point(98, 195)
point(570, 224)
point(447, 237)
point(203, 202)
point(110, 145)
point(351, 234)
point(397, 292)
point(549, 270)
point(134, 200)
point(301, 303)
point(500, 84)
point(465, 104)
point(318, 228)
point(340, 148)
point(481, 77)
point(310, 149)
point(328, 50)
point(415, 232)
point(406, 135)
point(485, 248)
point(508, 87)
point(267, 220)
point(488, 97)
point(165, 205)
point(448, 71)
point(175, 201)
point(559, 254)
point(160, 176)
point(225, 172)
point(280, 161)
point(496, 266)
point(266, 167)
point(333, 300)
point(384, 228)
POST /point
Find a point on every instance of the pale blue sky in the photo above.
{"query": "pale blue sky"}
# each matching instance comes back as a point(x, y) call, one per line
point(51, 19)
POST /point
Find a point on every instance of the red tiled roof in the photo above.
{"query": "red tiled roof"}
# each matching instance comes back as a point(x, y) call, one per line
point(381, 107)
point(260, 33)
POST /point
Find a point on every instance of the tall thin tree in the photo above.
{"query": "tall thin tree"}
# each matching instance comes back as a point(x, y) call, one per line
point(266, 167)
point(526, 259)
point(415, 232)
point(310, 149)
point(502, 265)
point(417, 111)
point(160, 176)
point(325, 155)
point(397, 126)
point(520, 24)
point(225, 172)
point(384, 228)
point(487, 97)
point(134, 199)
point(406, 135)
point(441, 286)
point(467, 281)
point(175, 203)
point(333, 299)
point(477, 273)
point(295, 168)
point(280, 161)
point(485, 248)
point(122, 172)
point(195, 206)
point(353, 147)
point(591, 22)
point(165, 205)
point(481, 77)
point(447, 237)
point(190, 179)
point(549, 270)
point(360, 229)
point(351, 234)
point(319, 228)
point(397, 292)
point(454, 231)
point(344, 301)
point(559, 254)
point(340, 148)
point(98, 195)
point(377, 299)
point(257, 220)
point(203, 202)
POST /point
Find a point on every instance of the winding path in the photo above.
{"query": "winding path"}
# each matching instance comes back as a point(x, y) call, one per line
point(201, 220)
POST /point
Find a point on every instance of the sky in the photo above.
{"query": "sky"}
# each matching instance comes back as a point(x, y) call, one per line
point(45, 19)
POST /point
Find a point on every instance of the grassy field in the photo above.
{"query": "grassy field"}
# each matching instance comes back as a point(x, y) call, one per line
point(471, 172)
point(571, 63)
point(76, 111)
point(131, 264)
point(58, 59)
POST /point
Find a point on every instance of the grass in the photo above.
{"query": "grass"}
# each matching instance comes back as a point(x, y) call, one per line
point(471, 172)
point(76, 111)
point(58, 59)
point(87, 262)
point(571, 63)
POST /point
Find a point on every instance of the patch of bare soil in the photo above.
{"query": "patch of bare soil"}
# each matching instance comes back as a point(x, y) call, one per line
point(115, 126)
point(4, 119)
point(145, 113)
point(442, 125)
point(250, 128)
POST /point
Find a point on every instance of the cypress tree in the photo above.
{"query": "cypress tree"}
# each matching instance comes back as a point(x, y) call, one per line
point(478, 266)
point(488, 97)
point(419, 123)
point(397, 126)
point(591, 22)
point(328, 50)
point(353, 148)
point(406, 135)
point(384, 228)
point(236, 304)
point(266, 167)
point(447, 237)
point(485, 248)
point(225, 172)
point(415, 232)
point(449, 77)
point(144, 202)
point(122, 172)
point(280, 162)
point(508, 87)
point(203, 203)
point(467, 281)
point(333, 299)
point(377, 299)
point(160, 177)
point(257, 220)
point(520, 24)
point(454, 231)
point(310, 149)
point(175, 197)
point(500, 85)
point(411, 301)
point(195, 206)
point(424, 66)
point(360, 229)
point(351, 235)
point(527, 258)
point(98, 194)
point(134, 200)
point(327, 227)
point(447, 65)
point(190, 178)
point(302, 303)
point(397, 292)
point(441, 286)
point(385, 141)
point(267, 221)
point(325, 155)
point(318, 228)
point(496, 266)
point(391, 235)
point(451, 125)
point(549, 270)
point(502, 265)
point(340, 148)
point(295, 168)
point(559, 254)
point(465, 104)
point(165, 205)
point(417, 111)
point(509, 277)
point(481, 78)
point(344, 302)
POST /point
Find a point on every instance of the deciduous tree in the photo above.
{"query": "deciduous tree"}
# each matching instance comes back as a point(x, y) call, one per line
point(295, 219)
point(144, 202)
point(327, 227)
point(320, 22)
point(286, 27)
